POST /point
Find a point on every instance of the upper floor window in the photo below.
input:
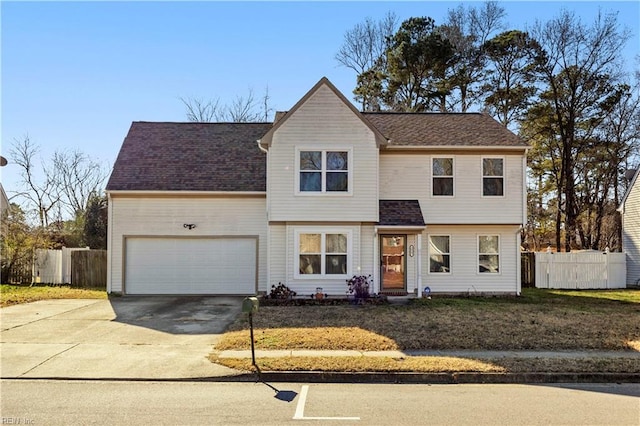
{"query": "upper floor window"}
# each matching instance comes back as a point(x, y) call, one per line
point(442, 181)
point(493, 176)
point(489, 254)
point(324, 171)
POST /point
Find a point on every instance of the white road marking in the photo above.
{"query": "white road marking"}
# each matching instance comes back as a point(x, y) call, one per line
point(302, 400)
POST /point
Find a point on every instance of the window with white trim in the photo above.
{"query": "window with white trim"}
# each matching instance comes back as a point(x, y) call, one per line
point(489, 254)
point(439, 254)
point(323, 171)
point(442, 176)
point(322, 254)
point(492, 177)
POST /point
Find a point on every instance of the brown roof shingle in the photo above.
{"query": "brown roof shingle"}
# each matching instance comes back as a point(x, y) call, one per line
point(191, 157)
point(442, 129)
point(400, 213)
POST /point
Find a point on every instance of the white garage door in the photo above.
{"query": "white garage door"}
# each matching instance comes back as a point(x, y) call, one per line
point(190, 266)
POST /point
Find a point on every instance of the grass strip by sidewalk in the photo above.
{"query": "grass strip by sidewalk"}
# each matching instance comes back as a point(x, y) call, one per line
point(15, 294)
point(436, 364)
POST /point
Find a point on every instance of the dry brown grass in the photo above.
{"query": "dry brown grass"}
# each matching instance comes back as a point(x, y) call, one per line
point(436, 364)
point(536, 321)
point(14, 295)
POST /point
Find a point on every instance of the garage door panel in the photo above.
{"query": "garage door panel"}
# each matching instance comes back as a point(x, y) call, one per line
point(190, 265)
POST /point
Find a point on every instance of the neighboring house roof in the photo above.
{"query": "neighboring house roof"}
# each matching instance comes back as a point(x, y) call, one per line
point(443, 130)
point(4, 200)
point(400, 213)
point(191, 157)
point(631, 184)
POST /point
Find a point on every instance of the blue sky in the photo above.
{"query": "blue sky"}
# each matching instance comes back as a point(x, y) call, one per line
point(76, 74)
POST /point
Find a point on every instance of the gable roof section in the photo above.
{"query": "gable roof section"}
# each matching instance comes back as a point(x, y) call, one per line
point(633, 182)
point(324, 81)
point(191, 157)
point(400, 213)
point(443, 130)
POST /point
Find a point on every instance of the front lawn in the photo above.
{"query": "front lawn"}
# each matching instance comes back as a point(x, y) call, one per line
point(538, 320)
point(15, 294)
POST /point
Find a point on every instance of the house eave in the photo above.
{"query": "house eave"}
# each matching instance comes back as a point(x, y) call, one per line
point(396, 228)
point(190, 194)
point(456, 148)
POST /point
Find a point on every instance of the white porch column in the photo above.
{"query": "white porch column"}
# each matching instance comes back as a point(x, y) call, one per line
point(419, 254)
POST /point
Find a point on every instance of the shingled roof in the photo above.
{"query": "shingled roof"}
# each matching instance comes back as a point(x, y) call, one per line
point(400, 213)
point(226, 157)
point(191, 157)
point(442, 129)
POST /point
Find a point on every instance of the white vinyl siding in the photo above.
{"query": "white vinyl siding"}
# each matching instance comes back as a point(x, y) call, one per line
point(631, 233)
point(406, 176)
point(210, 266)
point(464, 276)
point(323, 123)
point(165, 216)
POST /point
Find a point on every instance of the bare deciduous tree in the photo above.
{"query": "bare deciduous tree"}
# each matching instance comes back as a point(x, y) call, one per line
point(65, 182)
point(201, 111)
point(40, 190)
point(243, 109)
point(79, 178)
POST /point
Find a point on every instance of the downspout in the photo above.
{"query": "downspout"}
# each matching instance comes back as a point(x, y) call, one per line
point(519, 261)
point(268, 242)
point(109, 240)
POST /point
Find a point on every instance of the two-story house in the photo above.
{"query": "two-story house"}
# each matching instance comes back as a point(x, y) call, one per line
point(416, 200)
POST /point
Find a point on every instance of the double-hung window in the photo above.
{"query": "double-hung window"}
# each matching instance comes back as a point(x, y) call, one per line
point(439, 254)
point(324, 171)
point(492, 177)
point(322, 254)
point(442, 180)
point(488, 254)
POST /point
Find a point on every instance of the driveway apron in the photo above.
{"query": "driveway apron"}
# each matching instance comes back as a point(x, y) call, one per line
point(121, 338)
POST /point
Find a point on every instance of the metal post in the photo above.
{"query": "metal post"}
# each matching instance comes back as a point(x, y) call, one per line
point(253, 352)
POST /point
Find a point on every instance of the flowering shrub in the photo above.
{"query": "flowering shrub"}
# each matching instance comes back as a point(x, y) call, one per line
point(358, 285)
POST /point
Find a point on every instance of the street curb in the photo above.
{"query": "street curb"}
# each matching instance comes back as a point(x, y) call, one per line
point(447, 378)
point(373, 377)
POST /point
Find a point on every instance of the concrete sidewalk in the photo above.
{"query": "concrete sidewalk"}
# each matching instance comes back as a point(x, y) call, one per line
point(168, 338)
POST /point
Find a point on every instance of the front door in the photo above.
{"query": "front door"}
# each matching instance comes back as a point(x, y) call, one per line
point(392, 262)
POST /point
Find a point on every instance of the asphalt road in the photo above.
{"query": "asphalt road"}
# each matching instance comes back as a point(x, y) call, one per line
point(47, 402)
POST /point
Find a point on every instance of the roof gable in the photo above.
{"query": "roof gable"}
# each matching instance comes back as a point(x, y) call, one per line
point(324, 81)
point(191, 157)
point(632, 184)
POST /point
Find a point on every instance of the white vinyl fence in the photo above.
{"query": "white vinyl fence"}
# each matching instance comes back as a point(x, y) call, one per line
point(581, 270)
point(53, 266)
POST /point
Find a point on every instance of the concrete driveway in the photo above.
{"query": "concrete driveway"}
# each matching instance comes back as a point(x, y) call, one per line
point(120, 338)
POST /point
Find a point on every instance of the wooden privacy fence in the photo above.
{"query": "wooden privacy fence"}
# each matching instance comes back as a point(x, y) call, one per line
point(582, 270)
point(528, 269)
point(89, 269)
point(79, 267)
